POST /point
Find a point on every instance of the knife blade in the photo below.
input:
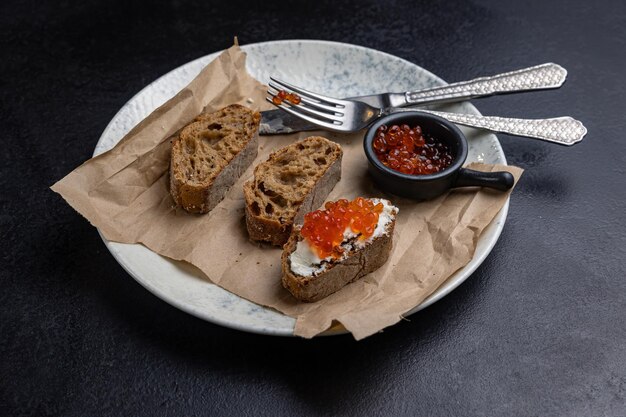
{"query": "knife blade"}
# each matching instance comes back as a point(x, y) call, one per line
point(278, 122)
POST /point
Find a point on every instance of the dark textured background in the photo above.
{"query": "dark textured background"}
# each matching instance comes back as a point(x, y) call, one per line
point(539, 329)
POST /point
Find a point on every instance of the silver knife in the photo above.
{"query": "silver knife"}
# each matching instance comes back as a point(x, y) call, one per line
point(539, 77)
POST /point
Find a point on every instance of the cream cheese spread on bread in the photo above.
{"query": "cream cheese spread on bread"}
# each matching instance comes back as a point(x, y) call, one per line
point(305, 262)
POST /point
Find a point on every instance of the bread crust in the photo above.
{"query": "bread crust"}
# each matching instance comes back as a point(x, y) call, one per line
point(202, 198)
point(264, 229)
point(358, 264)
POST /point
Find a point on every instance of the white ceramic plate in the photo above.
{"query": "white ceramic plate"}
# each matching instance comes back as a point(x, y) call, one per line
point(337, 69)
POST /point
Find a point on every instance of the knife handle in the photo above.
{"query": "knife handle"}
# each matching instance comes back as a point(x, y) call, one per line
point(539, 77)
point(562, 130)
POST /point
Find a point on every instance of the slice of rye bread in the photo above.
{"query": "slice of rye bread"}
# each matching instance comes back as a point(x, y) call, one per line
point(294, 180)
point(337, 274)
point(210, 154)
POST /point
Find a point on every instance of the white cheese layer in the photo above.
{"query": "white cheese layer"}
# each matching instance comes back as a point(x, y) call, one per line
point(304, 260)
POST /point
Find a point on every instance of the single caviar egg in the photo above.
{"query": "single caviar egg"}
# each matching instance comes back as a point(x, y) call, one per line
point(324, 229)
point(295, 99)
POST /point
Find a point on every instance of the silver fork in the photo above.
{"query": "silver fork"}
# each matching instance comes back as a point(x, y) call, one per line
point(343, 115)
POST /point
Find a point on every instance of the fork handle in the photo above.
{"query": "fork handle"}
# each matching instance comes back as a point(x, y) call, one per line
point(539, 77)
point(561, 130)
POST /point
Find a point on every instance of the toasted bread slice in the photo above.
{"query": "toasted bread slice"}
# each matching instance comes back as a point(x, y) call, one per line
point(293, 181)
point(329, 275)
point(210, 154)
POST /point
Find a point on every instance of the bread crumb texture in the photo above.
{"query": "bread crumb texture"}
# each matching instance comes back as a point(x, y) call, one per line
point(208, 144)
point(282, 183)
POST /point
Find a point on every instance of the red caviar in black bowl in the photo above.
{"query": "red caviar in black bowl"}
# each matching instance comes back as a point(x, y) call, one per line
point(410, 151)
point(390, 149)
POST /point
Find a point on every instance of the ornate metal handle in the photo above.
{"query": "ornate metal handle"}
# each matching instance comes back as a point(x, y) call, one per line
point(534, 78)
point(561, 130)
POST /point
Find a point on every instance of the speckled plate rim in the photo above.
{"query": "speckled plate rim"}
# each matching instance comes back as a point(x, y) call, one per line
point(119, 250)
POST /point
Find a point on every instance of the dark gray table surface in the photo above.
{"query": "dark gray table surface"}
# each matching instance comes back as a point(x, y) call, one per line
point(538, 330)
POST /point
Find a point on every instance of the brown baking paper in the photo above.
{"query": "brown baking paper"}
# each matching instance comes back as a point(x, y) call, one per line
point(124, 193)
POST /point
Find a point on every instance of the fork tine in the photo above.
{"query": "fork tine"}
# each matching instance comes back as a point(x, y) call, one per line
point(315, 104)
point(313, 120)
point(304, 92)
point(329, 116)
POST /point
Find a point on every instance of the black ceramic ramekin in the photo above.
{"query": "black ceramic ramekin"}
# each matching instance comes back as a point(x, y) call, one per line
point(424, 187)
